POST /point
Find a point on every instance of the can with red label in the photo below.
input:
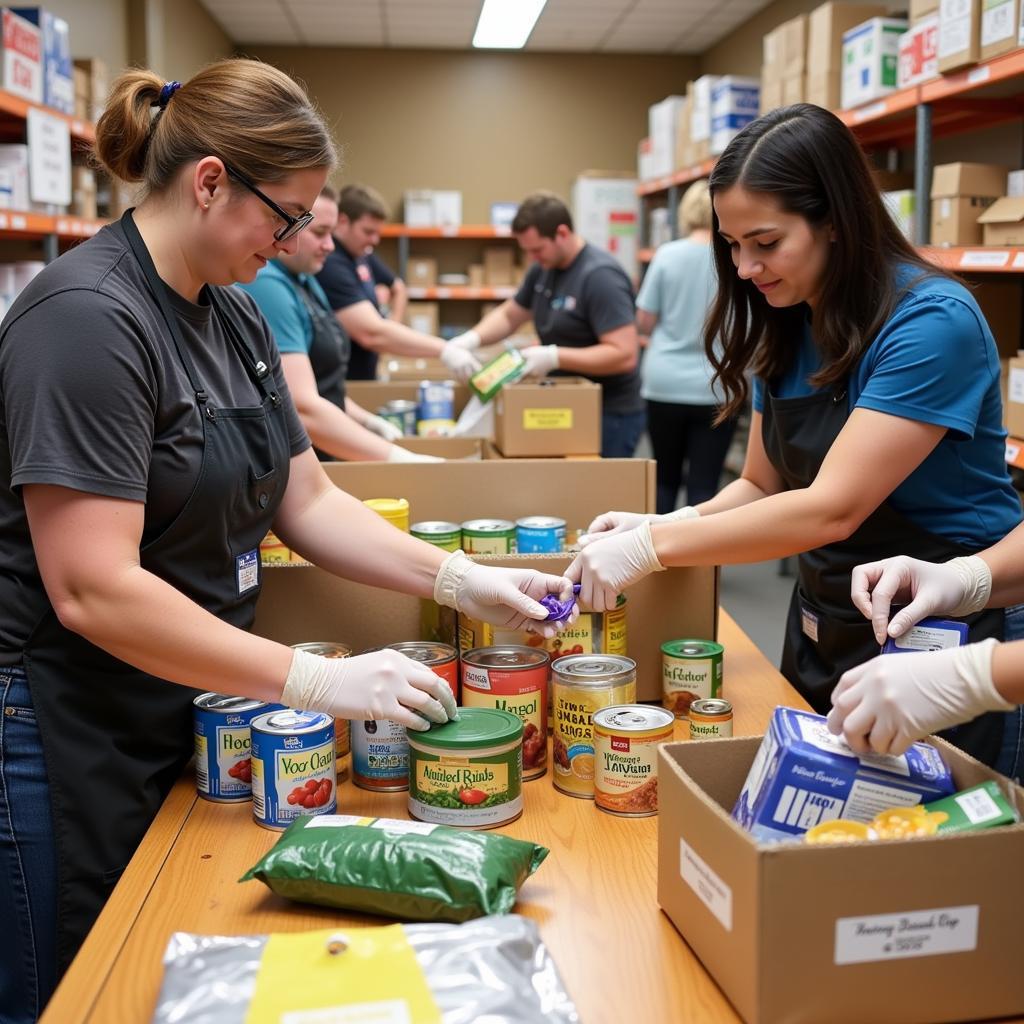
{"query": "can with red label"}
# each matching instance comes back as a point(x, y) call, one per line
point(441, 659)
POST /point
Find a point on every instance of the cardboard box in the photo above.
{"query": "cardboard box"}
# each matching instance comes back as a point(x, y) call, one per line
point(771, 51)
point(464, 449)
point(606, 213)
point(968, 179)
point(959, 34)
point(825, 28)
point(922, 8)
point(999, 27)
point(682, 152)
point(476, 275)
point(1000, 298)
point(734, 104)
point(919, 52)
point(843, 934)
point(771, 93)
point(1003, 222)
point(95, 71)
point(80, 81)
point(83, 192)
point(794, 46)
point(644, 160)
point(1015, 183)
point(373, 394)
point(699, 93)
point(662, 118)
point(421, 272)
point(414, 368)
point(21, 57)
point(825, 88)
point(1013, 410)
point(794, 89)
point(424, 317)
point(556, 416)
point(58, 85)
point(499, 266)
point(955, 220)
point(870, 60)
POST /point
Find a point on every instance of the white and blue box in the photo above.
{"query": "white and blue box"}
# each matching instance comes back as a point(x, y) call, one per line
point(803, 775)
point(58, 80)
point(735, 102)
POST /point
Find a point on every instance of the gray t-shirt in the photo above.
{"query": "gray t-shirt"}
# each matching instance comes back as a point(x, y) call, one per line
point(575, 306)
point(93, 396)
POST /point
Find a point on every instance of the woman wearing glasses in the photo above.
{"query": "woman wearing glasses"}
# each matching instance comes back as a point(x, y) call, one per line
point(147, 444)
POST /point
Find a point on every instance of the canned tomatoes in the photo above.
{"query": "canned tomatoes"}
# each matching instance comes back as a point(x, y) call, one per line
point(380, 755)
point(626, 742)
point(292, 767)
point(690, 669)
point(468, 773)
point(222, 741)
point(512, 678)
point(441, 659)
point(583, 684)
point(489, 537)
point(446, 536)
point(540, 535)
point(327, 649)
point(710, 718)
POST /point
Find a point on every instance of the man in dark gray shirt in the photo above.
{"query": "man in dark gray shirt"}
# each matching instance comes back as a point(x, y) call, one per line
point(581, 304)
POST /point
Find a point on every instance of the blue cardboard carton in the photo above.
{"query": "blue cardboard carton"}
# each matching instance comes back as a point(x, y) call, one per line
point(58, 83)
point(928, 635)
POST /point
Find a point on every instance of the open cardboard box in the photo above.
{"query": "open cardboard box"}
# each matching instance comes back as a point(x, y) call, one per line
point(920, 930)
point(374, 394)
point(458, 448)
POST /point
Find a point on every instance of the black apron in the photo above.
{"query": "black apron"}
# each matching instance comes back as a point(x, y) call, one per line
point(115, 739)
point(825, 634)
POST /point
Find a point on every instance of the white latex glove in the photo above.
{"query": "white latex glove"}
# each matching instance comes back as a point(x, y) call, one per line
point(509, 598)
point(958, 587)
point(611, 564)
point(540, 360)
point(460, 361)
point(469, 340)
point(609, 523)
point(381, 684)
point(895, 699)
point(381, 427)
point(398, 454)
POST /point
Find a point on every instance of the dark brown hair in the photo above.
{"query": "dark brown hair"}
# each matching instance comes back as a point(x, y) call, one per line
point(809, 162)
point(358, 201)
point(247, 113)
point(543, 211)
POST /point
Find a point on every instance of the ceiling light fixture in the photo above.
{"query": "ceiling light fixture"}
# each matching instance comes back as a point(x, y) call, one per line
point(506, 24)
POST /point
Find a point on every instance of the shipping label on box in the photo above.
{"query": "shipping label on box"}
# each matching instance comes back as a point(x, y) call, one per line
point(22, 57)
point(871, 59)
point(959, 33)
point(561, 416)
point(999, 27)
point(919, 52)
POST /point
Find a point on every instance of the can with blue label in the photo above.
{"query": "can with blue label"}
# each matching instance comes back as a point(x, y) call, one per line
point(380, 756)
point(537, 535)
point(222, 744)
point(292, 767)
point(436, 400)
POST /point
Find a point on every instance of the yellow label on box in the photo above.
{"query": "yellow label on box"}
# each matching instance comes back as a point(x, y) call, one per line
point(547, 419)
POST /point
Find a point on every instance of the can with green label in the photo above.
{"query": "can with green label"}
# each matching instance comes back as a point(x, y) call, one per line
point(690, 670)
point(447, 536)
point(489, 537)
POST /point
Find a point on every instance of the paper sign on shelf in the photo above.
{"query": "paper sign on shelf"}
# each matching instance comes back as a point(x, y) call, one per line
point(49, 158)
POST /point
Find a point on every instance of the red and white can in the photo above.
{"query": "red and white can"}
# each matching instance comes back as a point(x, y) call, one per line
point(441, 659)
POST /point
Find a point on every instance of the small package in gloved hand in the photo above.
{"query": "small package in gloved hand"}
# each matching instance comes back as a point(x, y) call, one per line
point(406, 869)
point(928, 635)
point(502, 370)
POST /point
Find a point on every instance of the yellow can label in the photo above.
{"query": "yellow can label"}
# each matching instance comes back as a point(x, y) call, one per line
point(547, 419)
point(591, 633)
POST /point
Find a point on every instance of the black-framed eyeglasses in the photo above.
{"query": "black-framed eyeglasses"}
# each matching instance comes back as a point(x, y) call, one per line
point(292, 225)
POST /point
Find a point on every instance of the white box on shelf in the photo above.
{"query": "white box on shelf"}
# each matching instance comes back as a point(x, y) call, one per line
point(700, 112)
point(447, 208)
point(919, 52)
point(645, 160)
point(606, 213)
point(418, 205)
point(735, 102)
point(22, 58)
point(661, 126)
point(870, 60)
point(1015, 183)
point(14, 159)
point(902, 206)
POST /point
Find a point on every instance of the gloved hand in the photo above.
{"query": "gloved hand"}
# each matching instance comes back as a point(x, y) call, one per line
point(609, 523)
point(608, 566)
point(958, 587)
point(469, 340)
point(509, 598)
point(895, 699)
point(381, 684)
point(460, 361)
point(540, 360)
point(398, 454)
point(381, 427)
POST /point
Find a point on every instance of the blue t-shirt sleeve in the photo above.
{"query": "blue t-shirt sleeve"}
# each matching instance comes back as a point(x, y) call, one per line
point(933, 362)
point(757, 395)
point(283, 311)
point(649, 297)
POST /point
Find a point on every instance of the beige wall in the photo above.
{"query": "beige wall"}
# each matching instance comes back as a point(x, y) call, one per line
point(495, 126)
point(99, 28)
point(191, 39)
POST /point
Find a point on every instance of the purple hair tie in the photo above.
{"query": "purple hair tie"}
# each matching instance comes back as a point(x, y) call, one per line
point(166, 93)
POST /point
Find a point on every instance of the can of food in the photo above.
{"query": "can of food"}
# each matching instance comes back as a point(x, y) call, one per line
point(690, 669)
point(710, 718)
point(468, 773)
point(396, 419)
point(222, 743)
point(441, 659)
point(328, 649)
point(447, 536)
point(583, 684)
point(626, 742)
point(513, 678)
point(403, 412)
point(436, 400)
point(292, 767)
point(380, 756)
point(489, 537)
point(394, 510)
point(273, 550)
point(540, 535)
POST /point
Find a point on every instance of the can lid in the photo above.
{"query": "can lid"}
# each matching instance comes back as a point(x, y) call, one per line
point(540, 522)
point(508, 656)
point(633, 718)
point(425, 651)
point(475, 727)
point(227, 703)
point(710, 706)
point(594, 669)
point(325, 648)
point(691, 648)
point(487, 525)
point(385, 505)
point(290, 721)
point(434, 526)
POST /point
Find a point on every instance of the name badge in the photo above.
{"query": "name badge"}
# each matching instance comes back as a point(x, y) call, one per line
point(247, 571)
point(809, 623)
point(364, 272)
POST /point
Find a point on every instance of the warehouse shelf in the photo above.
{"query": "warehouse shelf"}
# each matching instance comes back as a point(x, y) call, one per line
point(461, 231)
point(463, 292)
point(14, 107)
point(16, 224)
point(681, 177)
point(994, 259)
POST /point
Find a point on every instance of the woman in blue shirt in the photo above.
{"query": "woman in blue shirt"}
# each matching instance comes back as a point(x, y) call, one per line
point(876, 426)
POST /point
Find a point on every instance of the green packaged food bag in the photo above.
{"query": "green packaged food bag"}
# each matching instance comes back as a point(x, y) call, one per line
point(405, 869)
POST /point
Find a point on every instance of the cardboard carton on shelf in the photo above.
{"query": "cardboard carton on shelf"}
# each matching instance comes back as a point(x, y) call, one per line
point(699, 93)
point(794, 46)
point(771, 55)
point(998, 295)
point(476, 275)
point(83, 192)
point(734, 104)
point(662, 118)
point(80, 82)
point(97, 84)
point(682, 151)
point(421, 272)
point(1003, 222)
point(794, 89)
point(424, 317)
point(999, 27)
point(960, 193)
point(919, 52)
point(1015, 183)
point(922, 8)
point(1013, 409)
point(825, 88)
point(556, 416)
point(499, 266)
point(825, 28)
point(959, 34)
point(55, 36)
point(771, 93)
point(870, 60)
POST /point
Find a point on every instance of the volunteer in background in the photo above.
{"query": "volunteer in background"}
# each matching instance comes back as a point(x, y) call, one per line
point(347, 280)
point(581, 304)
point(675, 375)
point(148, 443)
point(315, 349)
point(876, 425)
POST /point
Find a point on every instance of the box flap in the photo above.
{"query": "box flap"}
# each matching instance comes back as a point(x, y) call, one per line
point(1008, 210)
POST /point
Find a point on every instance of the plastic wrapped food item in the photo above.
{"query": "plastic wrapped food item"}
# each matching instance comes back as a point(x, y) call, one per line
point(405, 869)
point(495, 969)
point(559, 611)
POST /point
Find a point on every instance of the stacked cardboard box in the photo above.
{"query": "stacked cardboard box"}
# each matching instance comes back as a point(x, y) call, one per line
point(699, 94)
point(960, 193)
point(1003, 222)
point(999, 27)
point(825, 27)
point(91, 84)
point(1014, 410)
point(794, 60)
point(499, 266)
point(83, 192)
point(959, 34)
point(734, 104)
point(870, 60)
point(558, 416)
point(684, 146)
point(421, 272)
point(21, 57)
point(606, 213)
point(55, 36)
point(424, 317)
point(428, 208)
point(919, 52)
point(662, 118)
point(772, 71)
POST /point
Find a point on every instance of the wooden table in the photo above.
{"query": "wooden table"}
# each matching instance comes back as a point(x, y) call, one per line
point(594, 897)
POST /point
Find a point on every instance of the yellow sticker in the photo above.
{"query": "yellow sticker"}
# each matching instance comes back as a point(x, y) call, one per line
point(376, 980)
point(547, 419)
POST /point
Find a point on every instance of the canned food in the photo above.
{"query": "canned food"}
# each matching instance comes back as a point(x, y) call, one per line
point(710, 718)
point(468, 772)
point(441, 659)
point(328, 649)
point(583, 684)
point(489, 537)
point(436, 400)
point(404, 413)
point(292, 767)
point(513, 678)
point(223, 745)
point(396, 419)
point(447, 536)
point(272, 549)
point(690, 669)
point(380, 756)
point(540, 535)
point(626, 742)
point(394, 510)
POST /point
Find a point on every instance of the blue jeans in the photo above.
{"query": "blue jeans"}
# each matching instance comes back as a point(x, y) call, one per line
point(1011, 757)
point(620, 433)
point(28, 860)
